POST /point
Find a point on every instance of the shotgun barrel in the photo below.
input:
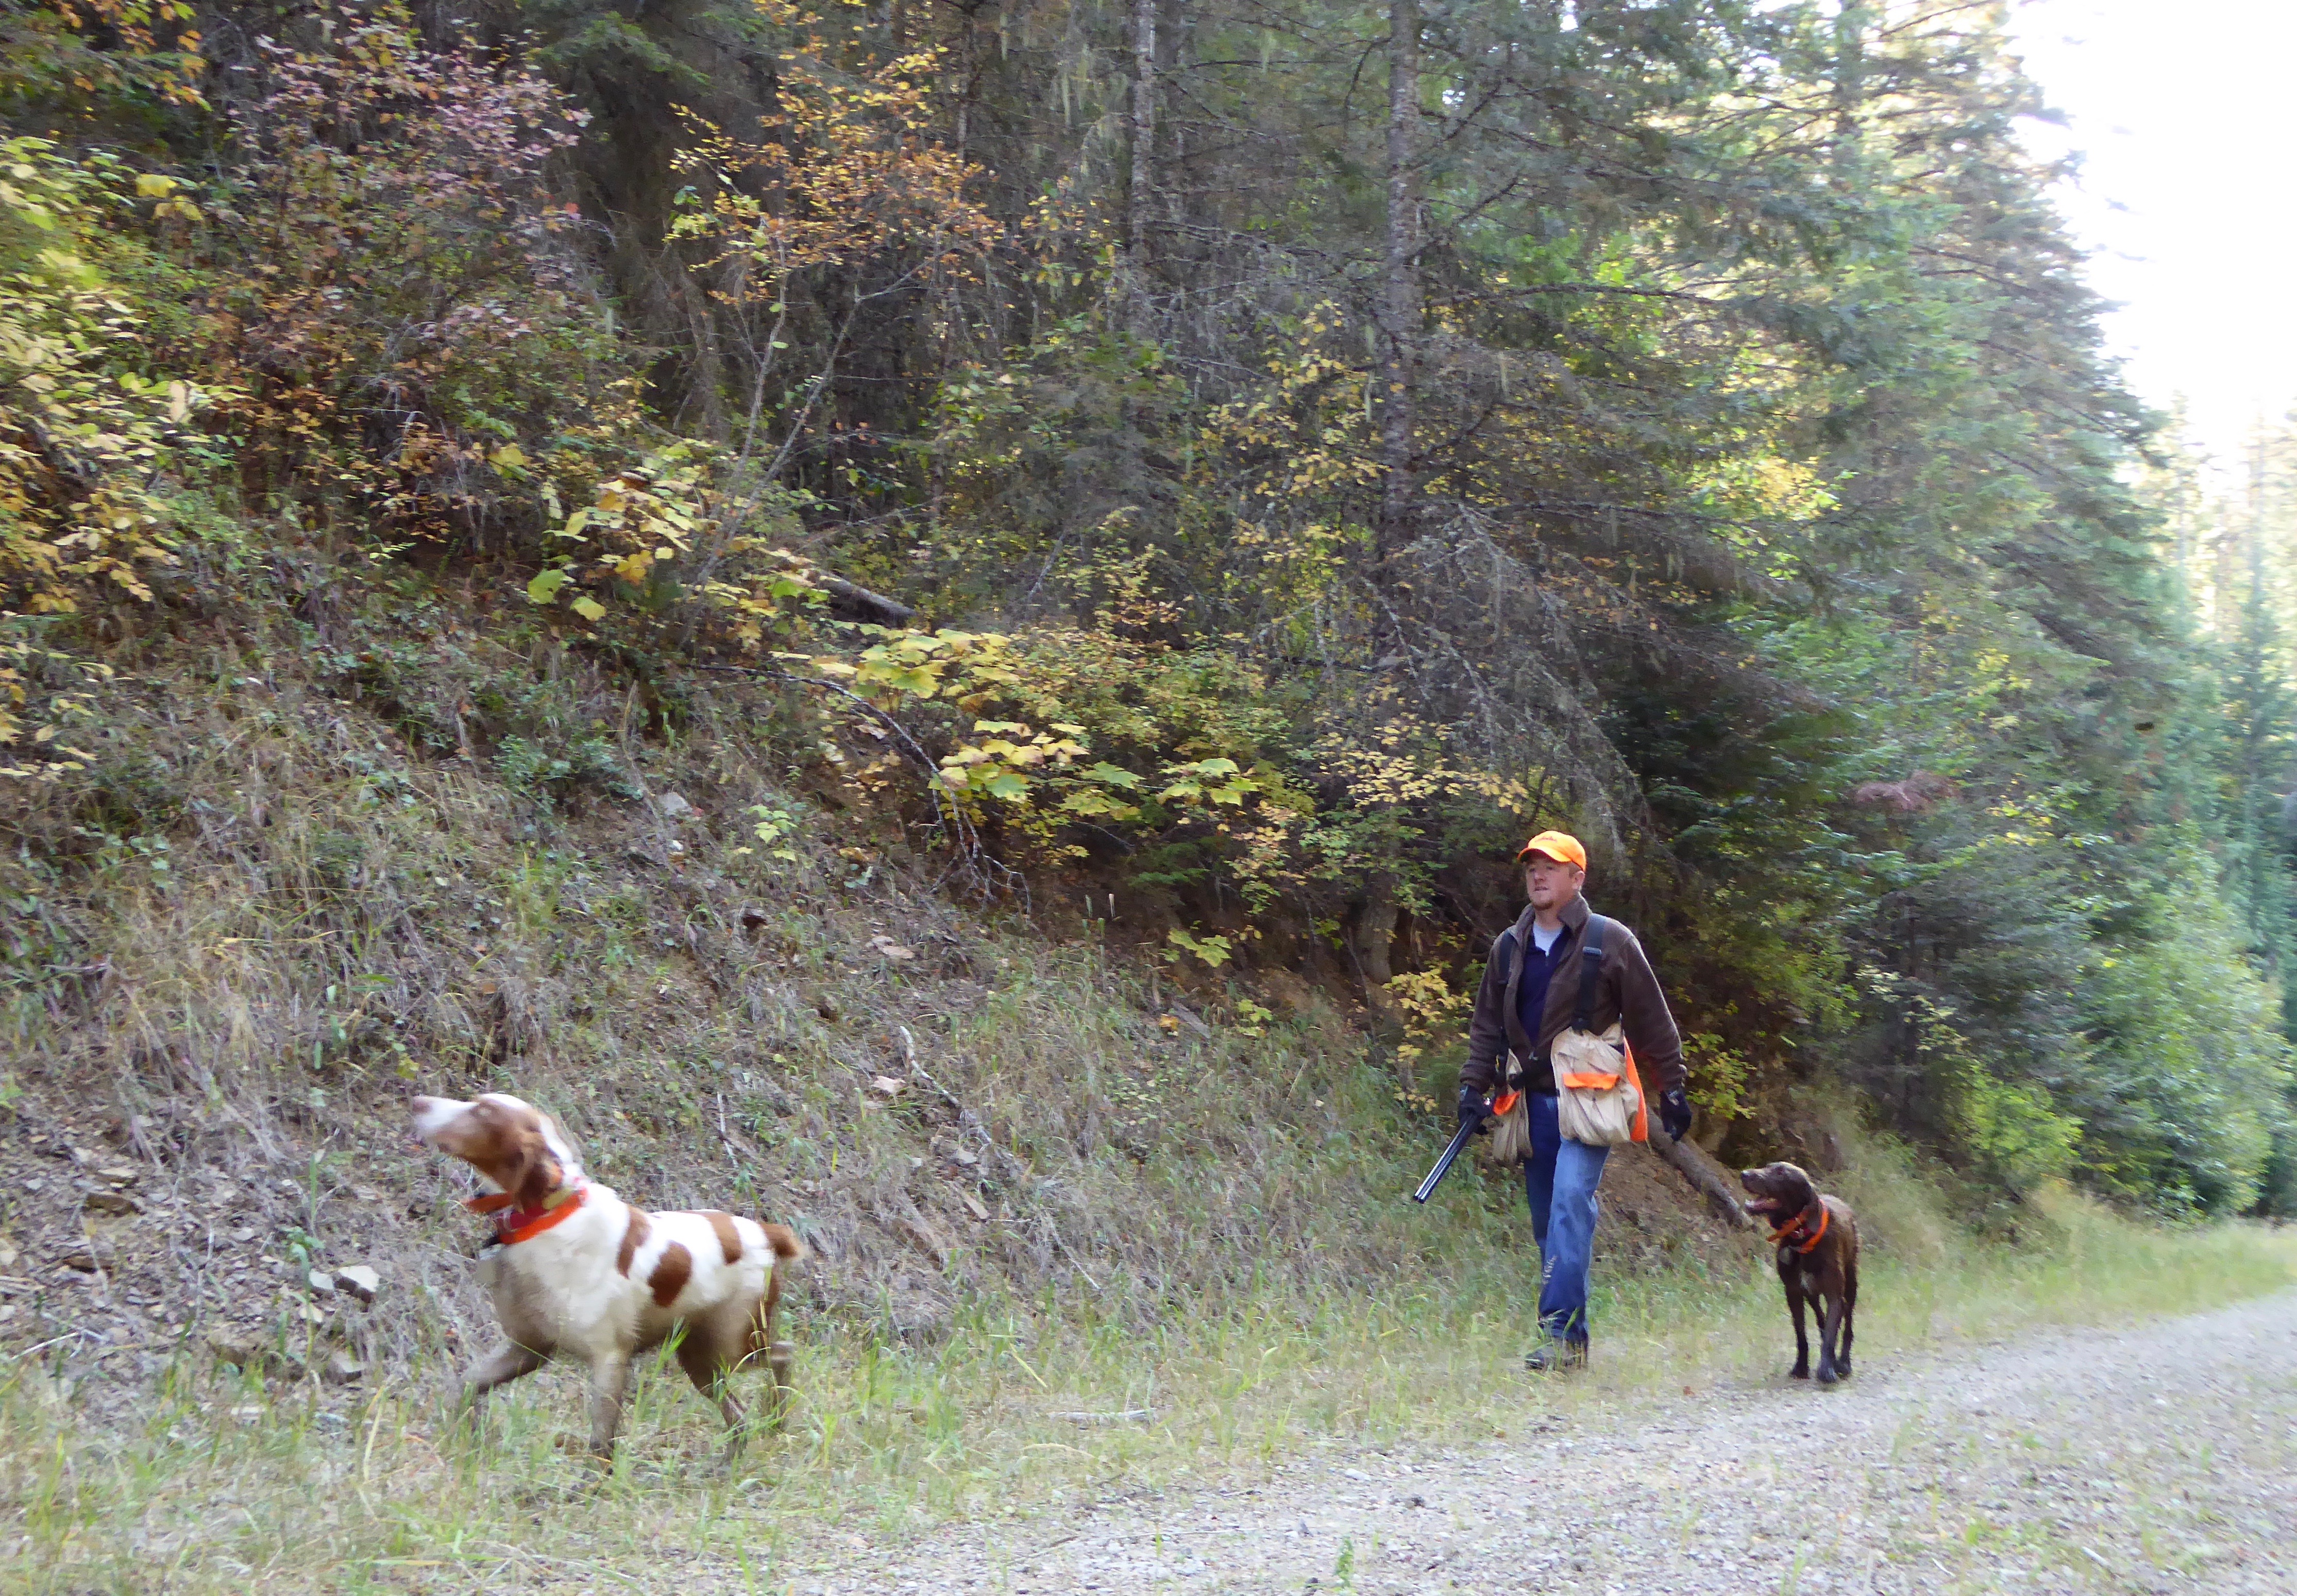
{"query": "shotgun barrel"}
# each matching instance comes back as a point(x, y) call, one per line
point(1468, 1128)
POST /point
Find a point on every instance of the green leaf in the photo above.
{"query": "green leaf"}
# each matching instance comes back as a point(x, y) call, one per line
point(1086, 802)
point(544, 586)
point(1115, 776)
point(589, 608)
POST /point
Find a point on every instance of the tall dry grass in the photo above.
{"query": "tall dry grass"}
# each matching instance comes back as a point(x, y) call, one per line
point(228, 1485)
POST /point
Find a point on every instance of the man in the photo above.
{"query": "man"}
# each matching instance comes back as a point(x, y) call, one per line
point(1531, 996)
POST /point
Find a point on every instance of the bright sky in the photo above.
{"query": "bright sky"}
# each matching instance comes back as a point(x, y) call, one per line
point(2181, 114)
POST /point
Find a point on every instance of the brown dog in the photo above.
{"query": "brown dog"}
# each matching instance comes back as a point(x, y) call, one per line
point(1818, 1261)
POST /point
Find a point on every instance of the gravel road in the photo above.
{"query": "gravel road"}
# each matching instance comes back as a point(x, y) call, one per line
point(2157, 1459)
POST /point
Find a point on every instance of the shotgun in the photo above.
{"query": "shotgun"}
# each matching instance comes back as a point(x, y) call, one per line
point(1468, 1127)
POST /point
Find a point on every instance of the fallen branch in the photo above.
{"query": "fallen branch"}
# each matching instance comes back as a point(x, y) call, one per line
point(885, 611)
point(967, 1122)
point(1129, 1416)
point(1694, 1167)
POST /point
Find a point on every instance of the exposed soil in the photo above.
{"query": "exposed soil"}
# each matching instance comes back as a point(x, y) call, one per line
point(2159, 1458)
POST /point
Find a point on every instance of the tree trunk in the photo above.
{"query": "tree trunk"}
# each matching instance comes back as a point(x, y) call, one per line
point(1400, 289)
point(1849, 83)
point(1374, 938)
point(1140, 201)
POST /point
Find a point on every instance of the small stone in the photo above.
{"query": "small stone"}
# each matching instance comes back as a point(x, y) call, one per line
point(83, 1259)
point(1191, 1019)
point(887, 1087)
point(962, 1159)
point(359, 1280)
point(323, 1282)
point(973, 1204)
point(121, 1174)
point(330, 1421)
point(673, 807)
point(245, 1233)
point(8, 1254)
point(114, 1203)
point(341, 1368)
point(926, 1240)
point(232, 1347)
point(890, 949)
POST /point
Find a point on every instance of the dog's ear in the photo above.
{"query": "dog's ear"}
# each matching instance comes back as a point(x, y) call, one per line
point(534, 1174)
point(560, 1146)
point(1798, 1189)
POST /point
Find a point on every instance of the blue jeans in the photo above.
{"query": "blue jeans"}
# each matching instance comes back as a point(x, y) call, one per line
point(1559, 1182)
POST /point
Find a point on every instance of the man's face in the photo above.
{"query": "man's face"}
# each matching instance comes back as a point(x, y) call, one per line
point(1551, 883)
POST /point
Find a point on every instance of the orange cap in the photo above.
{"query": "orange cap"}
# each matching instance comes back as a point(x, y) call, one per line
point(1556, 845)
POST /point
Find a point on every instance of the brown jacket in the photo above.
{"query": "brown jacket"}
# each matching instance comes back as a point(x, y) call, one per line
point(1626, 991)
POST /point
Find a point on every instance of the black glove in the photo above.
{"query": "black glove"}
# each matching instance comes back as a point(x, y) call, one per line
point(1674, 1115)
point(1472, 1107)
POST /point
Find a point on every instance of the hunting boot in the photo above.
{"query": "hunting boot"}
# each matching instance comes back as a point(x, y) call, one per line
point(1556, 1357)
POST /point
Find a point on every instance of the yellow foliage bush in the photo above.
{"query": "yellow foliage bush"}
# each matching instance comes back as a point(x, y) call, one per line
point(83, 436)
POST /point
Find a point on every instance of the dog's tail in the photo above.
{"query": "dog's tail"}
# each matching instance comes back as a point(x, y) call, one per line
point(786, 1249)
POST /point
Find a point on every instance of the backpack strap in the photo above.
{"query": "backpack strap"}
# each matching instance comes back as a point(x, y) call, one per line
point(1591, 946)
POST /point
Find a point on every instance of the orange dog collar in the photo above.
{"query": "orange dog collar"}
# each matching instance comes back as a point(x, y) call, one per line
point(1789, 1235)
point(523, 1224)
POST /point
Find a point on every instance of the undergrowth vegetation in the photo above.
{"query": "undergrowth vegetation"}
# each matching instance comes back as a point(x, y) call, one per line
point(1243, 558)
point(221, 1482)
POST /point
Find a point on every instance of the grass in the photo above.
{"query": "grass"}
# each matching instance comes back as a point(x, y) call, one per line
point(220, 1483)
point(307, 899)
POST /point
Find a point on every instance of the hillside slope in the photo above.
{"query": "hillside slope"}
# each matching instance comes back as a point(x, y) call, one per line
point(1081, 1214)
point(320, 874)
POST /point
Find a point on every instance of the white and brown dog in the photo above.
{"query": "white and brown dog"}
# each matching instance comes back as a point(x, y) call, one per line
point(577, 1272)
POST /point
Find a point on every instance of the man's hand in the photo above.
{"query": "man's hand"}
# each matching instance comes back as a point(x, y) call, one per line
point(1674, 1115)
point(1472, 1107)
